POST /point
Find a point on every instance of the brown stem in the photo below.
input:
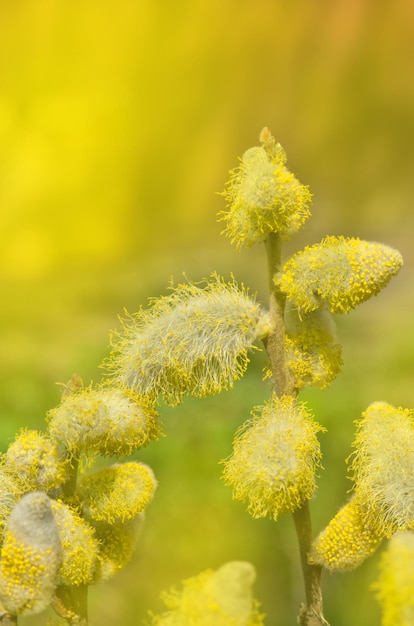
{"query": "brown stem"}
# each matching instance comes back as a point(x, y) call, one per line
point(275, 341)
point(312, 613)
point(284, 384)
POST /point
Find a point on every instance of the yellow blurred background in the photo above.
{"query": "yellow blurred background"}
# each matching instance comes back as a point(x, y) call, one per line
point(118, 125)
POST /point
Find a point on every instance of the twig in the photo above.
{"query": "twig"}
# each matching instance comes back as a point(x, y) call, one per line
point(311, 613)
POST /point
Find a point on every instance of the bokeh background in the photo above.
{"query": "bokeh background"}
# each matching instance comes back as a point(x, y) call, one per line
point(119, 122)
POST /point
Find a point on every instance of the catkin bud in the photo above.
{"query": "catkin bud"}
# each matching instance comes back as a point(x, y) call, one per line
point(339, 271)
point(220, 598)
point(194, 341)
point(348, 539)
point(275, 457)
point(30, 556)
point(312, 352)
point(383, 464)
point(383, 499)
point(80, 547)
point(395, 585)
point(107, 420)
point(117, 543)
point(11, 491)
point(263, 197)
point(36, 460)
point(117, 493)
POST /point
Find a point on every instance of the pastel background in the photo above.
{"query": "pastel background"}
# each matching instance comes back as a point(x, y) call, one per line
point(119, 122)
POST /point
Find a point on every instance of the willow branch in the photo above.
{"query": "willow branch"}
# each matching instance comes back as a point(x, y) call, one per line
point(275, 341)
point(311, 614)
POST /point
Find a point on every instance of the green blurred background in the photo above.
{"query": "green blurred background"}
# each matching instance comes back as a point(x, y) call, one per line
point(118, 124)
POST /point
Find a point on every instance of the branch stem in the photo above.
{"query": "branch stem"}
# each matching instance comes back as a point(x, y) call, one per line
point(312, 613)
point(275, 341)
point(284, 384)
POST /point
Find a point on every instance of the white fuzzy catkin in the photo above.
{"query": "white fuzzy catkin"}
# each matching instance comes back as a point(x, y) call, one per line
point(275, 457)
point(194, 341)
point(383, 464)
point(30, 556)
point(106, 420)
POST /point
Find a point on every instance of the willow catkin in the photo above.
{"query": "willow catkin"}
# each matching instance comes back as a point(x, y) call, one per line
point(194, 341)
point(116, 493)
point(107, 420)
point(263, 197)
point(213, 598)
point(30, 556)
point(340, 272)
point(275, 457)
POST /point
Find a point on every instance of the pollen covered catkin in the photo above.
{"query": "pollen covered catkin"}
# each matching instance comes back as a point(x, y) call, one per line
point(11, 491)
point(382, 466)
point(213, 598)
point(263, 197)
point(383, 496)
point(118, 492)
point(347, 540)
point(117, 542)
point(30, 556)
point(36, 461)
point(107, 420)
point(275, 457)
point(79, 546)
point(194, 341)
point(394, 588)
point(340, 272)
point(313, 354)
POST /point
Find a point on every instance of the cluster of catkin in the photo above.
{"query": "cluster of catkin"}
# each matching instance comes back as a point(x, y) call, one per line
point(61, 530)
point(64, 531)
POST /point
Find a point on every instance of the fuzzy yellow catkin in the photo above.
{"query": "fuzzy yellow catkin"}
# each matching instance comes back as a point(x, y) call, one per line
point(80, 548)
point(106, 420)
point(382, 466)
point(36, 461)
point(275, 458)
point(11, 491)
point(341, 272)
point(347, 540)
point(194, 341)
point(213, 598)
point(383, 497)
point(312, 353)
point(30, 556)
point(116, 493)
point(117, 542)
point(394, 588)
point(263, 197)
